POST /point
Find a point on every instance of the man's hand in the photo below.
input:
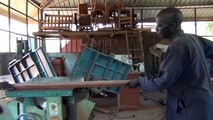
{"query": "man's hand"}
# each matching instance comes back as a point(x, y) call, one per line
point(133, 83)
point(6, 86)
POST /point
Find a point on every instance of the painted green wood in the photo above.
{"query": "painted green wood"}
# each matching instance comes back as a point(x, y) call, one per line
point(54, 108)
point(39, 93)
point(84, 109)
point(8, 113)
point(30, 109)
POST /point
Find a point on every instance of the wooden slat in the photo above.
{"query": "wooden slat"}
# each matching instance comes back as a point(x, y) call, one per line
point(54, 28)
point(57, 22)
point(59, 15)
point(70, 85)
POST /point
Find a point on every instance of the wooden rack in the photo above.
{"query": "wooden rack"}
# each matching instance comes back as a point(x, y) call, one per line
point(56, 22)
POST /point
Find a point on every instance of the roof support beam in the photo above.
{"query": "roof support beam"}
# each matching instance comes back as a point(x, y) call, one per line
point(56, 3)
point(35, 3)
point(27, 22)
point(9, 24)
point(185, 19)
point(45, 3)
point(147, 7)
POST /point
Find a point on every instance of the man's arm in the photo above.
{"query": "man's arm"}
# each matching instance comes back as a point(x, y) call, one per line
point(6, 86)
point(171, 68)
point(208, 47)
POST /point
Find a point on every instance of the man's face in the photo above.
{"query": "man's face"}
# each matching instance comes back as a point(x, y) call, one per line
point(164, 28)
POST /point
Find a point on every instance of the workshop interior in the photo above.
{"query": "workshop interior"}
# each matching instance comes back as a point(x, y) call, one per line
point(71, 59)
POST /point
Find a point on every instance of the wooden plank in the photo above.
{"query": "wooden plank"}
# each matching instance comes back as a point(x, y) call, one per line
point(48, 15)
point(54, 28)
point(70, 84)
point(80, 33)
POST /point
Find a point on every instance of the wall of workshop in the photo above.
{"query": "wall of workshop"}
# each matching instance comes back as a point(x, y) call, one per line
point(72, 45)
point(149, 40)
point(5, 58)
point(116, 45)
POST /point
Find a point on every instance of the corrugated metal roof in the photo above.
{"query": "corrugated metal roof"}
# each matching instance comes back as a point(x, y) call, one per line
point(204, 8)
point(137, 3)
point(150, 8)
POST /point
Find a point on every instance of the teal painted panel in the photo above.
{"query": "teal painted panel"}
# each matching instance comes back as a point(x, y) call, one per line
point(54, 108)
point(8, 113)
point(84, 109)
point(99, 66)
point(31, 65)
point(39, 93)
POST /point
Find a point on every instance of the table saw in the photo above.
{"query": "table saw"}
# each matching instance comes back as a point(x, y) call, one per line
point(54, 98)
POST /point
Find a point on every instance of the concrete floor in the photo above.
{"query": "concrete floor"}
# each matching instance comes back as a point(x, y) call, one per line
point(148, 110)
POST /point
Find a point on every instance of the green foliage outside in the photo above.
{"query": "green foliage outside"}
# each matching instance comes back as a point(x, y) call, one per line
point(209, 28)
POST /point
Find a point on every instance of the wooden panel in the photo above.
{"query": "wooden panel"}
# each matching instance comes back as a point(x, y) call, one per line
point(72, 45)
point(79, 43)
point(129, 98)
point(82, 9)
point(149, 39)
point(84, 20)
point(69, 85)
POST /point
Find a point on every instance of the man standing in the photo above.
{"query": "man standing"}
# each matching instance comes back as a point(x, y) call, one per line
point(183, 71)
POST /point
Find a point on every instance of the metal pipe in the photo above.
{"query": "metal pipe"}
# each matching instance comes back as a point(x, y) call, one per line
point(27, 28)
point(9, 22)
point(141, 18)
point(15, 33)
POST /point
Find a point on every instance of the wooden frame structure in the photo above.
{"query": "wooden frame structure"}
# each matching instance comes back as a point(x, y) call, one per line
point(56, 22)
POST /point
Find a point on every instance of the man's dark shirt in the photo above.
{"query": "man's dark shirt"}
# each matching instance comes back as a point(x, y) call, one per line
point(185, 75)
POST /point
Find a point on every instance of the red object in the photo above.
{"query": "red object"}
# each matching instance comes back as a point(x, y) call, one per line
point(82, 9)
point(72, 45)
point(78, 45)
point(59, 66)
point(129, 98)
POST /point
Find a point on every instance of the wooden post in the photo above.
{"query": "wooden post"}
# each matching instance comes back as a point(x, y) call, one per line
point(195, 17)
point(35, 42)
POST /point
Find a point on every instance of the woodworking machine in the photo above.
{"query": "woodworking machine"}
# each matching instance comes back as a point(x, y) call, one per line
point(53, 98)
point(40, 95)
